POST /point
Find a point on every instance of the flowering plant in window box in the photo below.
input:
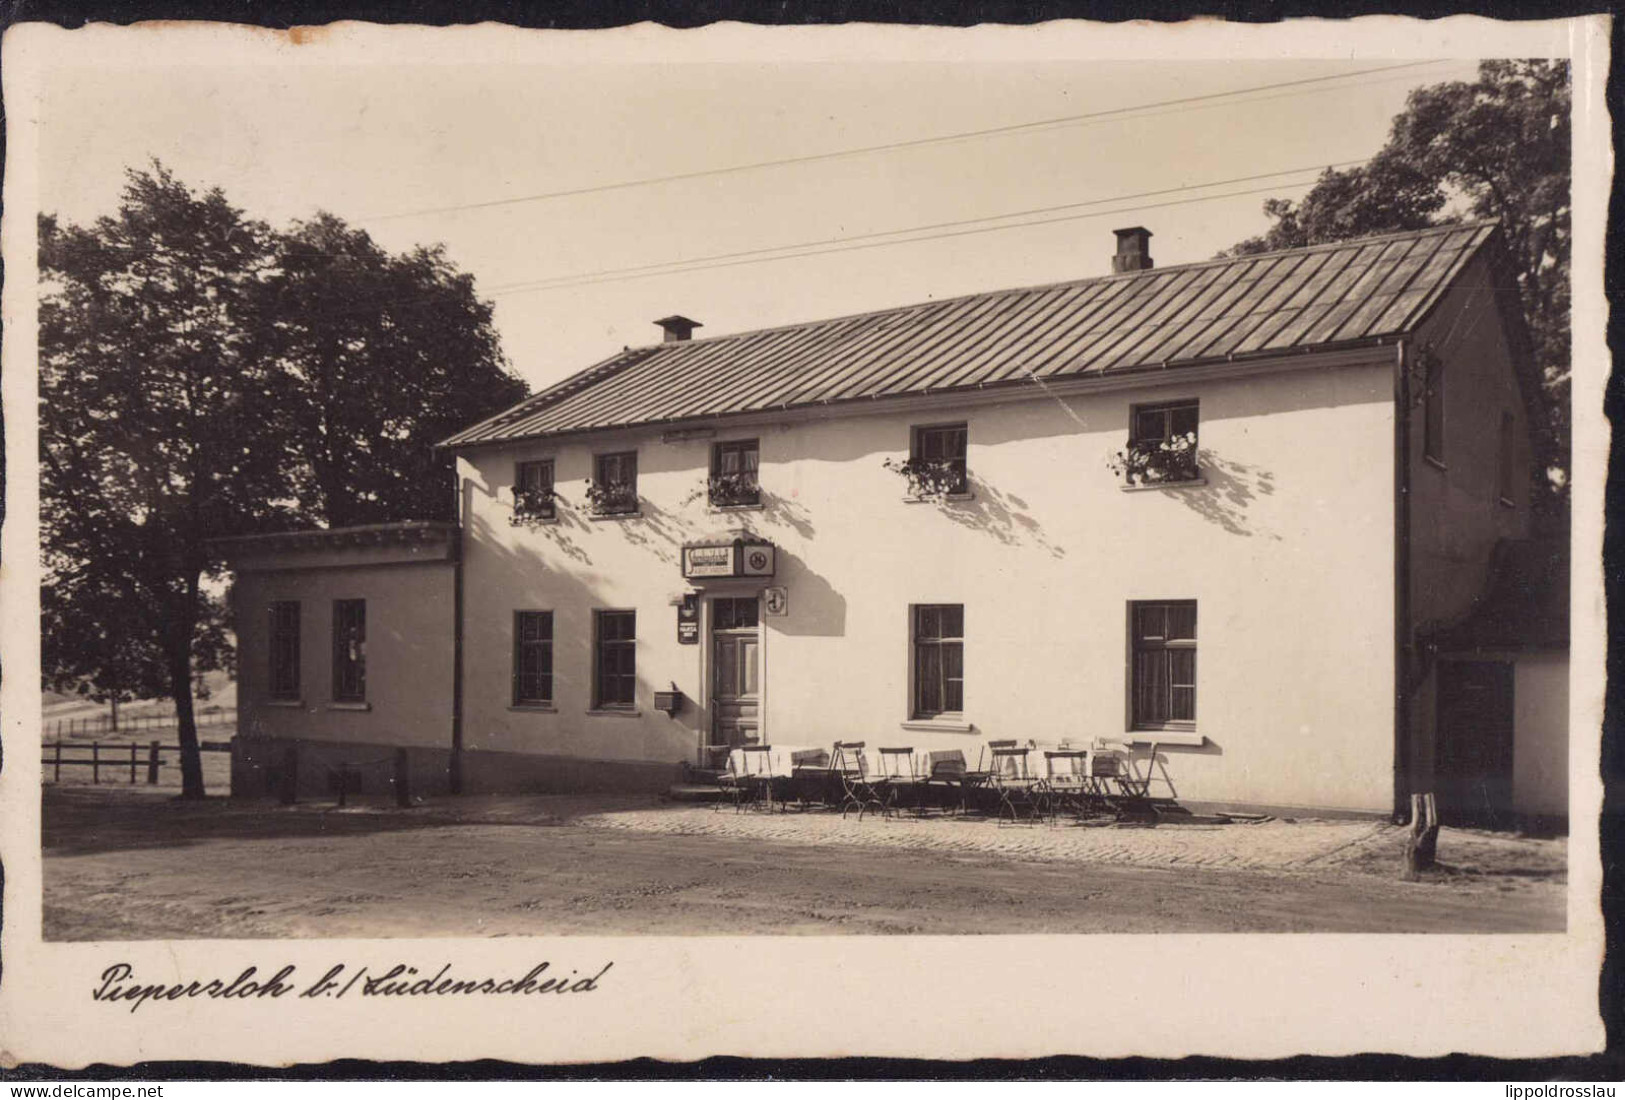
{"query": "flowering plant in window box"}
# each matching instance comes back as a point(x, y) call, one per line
point(533, 504)
point(929, 478)
point(732, 490)
point(1157, 461)
point(612, 498)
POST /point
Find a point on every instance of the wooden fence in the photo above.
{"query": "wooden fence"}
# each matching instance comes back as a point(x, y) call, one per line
point(115, 758)
point(133, 723)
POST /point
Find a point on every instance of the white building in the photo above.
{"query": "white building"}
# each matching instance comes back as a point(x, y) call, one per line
point(1206, 507)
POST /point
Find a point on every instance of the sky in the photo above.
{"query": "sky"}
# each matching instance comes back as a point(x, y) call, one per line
point(390, 147)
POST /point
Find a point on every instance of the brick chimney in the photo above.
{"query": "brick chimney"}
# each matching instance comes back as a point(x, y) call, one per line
point(1133, 250)
point(678, 327)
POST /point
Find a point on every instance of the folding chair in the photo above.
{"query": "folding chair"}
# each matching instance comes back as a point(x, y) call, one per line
point(899, 782)
point(1123, 784)
point(1020, 793)
point(946, 770)
point(857, 787)
point(1068, 783)
point(750, 775)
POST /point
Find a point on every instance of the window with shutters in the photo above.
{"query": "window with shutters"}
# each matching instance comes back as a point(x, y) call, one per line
point(532, 658)
point(615, 674)
point(283, 680)
point(1163, 665)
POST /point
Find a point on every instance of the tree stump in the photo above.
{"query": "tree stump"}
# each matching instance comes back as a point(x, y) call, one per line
point(1421, 846)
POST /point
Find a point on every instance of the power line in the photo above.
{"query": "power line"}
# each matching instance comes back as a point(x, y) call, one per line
point(846, 244)
point(965, 135)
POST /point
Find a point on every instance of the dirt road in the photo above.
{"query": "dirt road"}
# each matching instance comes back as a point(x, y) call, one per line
point(125, 865)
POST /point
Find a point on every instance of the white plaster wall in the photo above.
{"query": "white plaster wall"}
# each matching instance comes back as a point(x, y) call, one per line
point(1540, 745)
point(409, 654)
point(1288, 550)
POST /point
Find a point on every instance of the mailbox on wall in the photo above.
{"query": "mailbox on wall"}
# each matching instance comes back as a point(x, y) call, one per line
point(739, 557)
point(669, 701)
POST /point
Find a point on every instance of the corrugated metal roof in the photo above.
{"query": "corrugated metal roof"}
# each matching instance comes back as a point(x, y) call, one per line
point(1253, 305)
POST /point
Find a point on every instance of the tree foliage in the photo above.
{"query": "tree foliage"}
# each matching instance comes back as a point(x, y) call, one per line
point(1496, 148)
point(381, 356)
point(203, 376)
point(152, 436)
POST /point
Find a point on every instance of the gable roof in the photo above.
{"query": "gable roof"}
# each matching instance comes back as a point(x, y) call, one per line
point(1260, 305)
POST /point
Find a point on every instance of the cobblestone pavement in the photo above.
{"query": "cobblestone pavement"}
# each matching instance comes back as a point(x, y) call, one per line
point(1272, 845)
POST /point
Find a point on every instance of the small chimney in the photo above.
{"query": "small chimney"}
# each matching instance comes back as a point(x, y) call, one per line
point(678, 327)
point(1133, 250)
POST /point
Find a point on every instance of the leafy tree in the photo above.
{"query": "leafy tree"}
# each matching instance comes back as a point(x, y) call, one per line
point(1497, 148)
point(155, 437)
point(203, 376)
point(382, 355)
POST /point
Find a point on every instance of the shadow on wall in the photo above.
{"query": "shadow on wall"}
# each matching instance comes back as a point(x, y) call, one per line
point(563, 530)
point(528, 582)
point(816, 609)
point(1003, 516)
point(1231, 489)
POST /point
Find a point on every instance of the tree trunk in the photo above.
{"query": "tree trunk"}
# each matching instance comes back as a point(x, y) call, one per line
point(180, 687)
point(1421, 846)
point(113, 703)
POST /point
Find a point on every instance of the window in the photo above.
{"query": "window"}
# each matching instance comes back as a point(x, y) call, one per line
point(614, 488)
point(1508, 469)
point(937, 464)
point(1162, 443)
point(1433, 407)
point(284, 678)
point(734, 613)
point(615, 659)
point(532, 658)
point(939, 659)
point(733, 474)
point(533, 491)
point(350, 651)
point(1163, 638)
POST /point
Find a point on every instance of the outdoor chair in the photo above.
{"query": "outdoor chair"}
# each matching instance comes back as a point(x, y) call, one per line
point(901, 786)
point(858, 788)
point(947, 774)
point(1069, 783)
point(1020, 794)
point(984, 755)
point(749, 778)
point(1123, 778)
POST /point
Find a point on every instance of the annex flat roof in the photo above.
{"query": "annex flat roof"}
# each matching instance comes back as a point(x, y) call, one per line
point(1265, 304)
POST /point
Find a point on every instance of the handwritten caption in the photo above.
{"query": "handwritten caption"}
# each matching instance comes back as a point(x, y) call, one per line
point(119, 984)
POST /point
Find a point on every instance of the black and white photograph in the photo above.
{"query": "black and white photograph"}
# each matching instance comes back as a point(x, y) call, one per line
point(549, 507)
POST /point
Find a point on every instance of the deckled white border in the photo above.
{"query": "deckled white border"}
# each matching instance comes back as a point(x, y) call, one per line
point(1253, 996)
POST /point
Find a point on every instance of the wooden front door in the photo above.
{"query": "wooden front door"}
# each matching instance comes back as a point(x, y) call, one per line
point(735, 671)
point(1473, 753)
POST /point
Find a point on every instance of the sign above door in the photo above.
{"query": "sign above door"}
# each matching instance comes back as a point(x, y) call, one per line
point(737, 558)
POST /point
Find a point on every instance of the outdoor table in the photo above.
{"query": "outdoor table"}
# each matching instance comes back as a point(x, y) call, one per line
point(965, 783)
point(812, 784)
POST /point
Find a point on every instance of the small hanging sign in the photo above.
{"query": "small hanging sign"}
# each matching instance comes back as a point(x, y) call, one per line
point(776, 600)
point(688, 621)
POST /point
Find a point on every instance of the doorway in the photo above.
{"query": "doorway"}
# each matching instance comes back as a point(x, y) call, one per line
point(736, 658)
point(1473, 753)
